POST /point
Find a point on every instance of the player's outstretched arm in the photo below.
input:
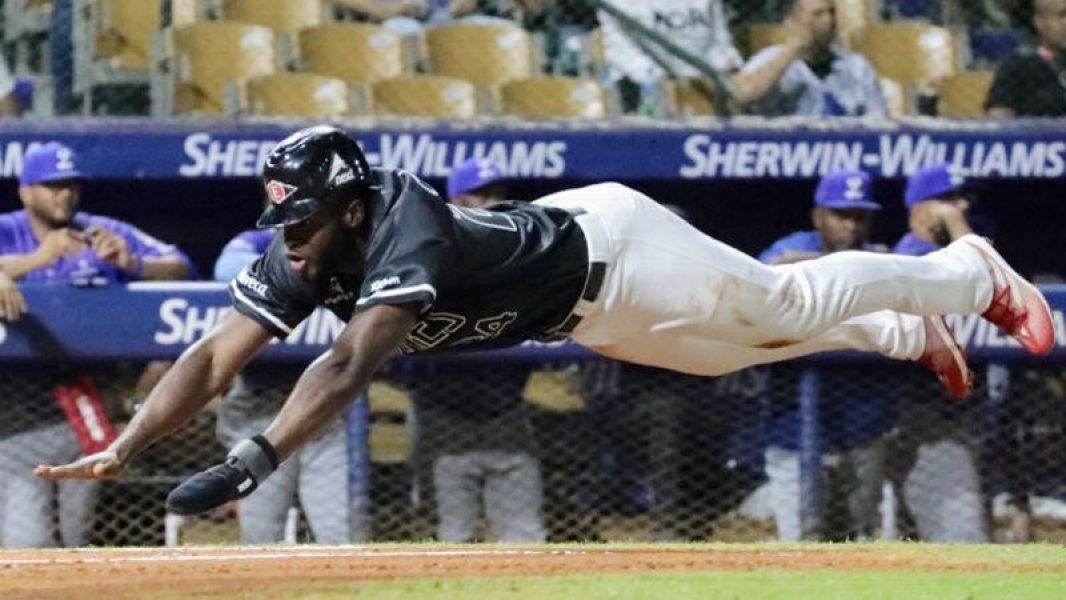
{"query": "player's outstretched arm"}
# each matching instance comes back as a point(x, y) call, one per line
point(320, 396)
point(202, 372)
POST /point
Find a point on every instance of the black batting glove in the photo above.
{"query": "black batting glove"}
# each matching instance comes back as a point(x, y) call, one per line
point(249, 463)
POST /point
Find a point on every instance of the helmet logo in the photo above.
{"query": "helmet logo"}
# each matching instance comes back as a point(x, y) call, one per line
point(278, 192)
point(340, 172)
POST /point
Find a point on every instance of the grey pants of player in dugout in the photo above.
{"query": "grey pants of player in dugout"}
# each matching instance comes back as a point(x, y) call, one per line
point(853, 482)
point(507, 484)
point(317, 475)
point(673, 297)
point(27, 517)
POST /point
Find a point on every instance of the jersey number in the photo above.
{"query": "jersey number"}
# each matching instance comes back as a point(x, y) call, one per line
point(434, 329)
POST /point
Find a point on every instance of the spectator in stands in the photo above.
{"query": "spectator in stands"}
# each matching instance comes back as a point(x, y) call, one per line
point(471, 424)
point(315, 474)
point(811, 74)
point(854, 421)
point(408, 17)
point(9, 105)
point(636, 64)
point(938, 476)
point(51, 241)
point(1031, 83)
point(564, 25)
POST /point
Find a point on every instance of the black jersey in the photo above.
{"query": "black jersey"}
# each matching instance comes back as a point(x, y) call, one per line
point(483, 277)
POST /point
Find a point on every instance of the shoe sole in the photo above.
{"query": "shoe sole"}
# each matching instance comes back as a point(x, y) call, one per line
point(1030, 296)
point(958, 355)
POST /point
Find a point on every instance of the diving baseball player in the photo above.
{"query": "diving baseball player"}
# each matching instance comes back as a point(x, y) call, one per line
point(603, 265)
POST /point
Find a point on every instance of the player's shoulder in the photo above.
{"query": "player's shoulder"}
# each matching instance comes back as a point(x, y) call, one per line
point(11, 224)
point(809, 240)
point(798, 241)
point(251, 240)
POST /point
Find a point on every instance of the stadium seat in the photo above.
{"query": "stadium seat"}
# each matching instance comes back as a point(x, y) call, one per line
point(288, 16)
point(913, 54)
point(962, 95)
point(480, 53)
point(554, 97)
point(687, 97)
point(762, 35)
point(354, 52)
point(204, 57)
point(425, 96)
point(296, 95)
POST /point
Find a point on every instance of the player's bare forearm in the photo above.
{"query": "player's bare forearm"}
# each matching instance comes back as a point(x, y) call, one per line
point(202, 372)
point(338, 376)
point(199, 375)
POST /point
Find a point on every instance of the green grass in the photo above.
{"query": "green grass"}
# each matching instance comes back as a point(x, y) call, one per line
point(1030, 572)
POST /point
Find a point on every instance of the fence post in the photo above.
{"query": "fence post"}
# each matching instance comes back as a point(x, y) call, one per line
point(812, 493)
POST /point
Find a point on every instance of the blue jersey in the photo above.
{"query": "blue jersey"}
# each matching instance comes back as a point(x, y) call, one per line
point(241, 251)
point(912, 245)
point(16, 237)
point(847, 420)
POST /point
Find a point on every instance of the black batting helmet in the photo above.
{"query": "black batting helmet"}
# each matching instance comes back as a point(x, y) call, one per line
point(310, 169)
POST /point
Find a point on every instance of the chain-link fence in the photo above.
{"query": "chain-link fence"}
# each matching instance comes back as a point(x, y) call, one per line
point(578, 59)
point(589, 450)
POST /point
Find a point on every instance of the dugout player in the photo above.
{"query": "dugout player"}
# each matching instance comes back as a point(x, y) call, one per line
point(50, 241)
point(603, 265)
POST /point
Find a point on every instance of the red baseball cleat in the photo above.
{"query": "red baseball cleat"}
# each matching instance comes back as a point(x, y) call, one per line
point(1017, 308)
point(946, 358)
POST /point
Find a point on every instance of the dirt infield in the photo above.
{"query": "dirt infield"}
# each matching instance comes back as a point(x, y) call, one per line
point(236, 571)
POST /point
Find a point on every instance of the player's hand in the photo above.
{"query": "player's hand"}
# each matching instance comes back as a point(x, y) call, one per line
point(59, 243)
point(212, 488)
point(799, 34)
point(12, 302)
point(102, 465)
point(111, 247)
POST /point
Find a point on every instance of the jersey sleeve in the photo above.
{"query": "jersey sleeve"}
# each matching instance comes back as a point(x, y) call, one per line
point(268, 292)
point(144, 245)
point(408, 255)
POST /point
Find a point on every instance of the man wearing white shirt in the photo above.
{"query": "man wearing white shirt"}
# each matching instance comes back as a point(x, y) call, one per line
point(820, 77)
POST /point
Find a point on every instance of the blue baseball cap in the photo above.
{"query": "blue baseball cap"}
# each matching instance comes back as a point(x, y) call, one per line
point(51, 162)
point(845, 189)
point(472, 174)
point(931, 182)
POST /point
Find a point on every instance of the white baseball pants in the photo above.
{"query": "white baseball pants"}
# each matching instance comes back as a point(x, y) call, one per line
point(673, 297)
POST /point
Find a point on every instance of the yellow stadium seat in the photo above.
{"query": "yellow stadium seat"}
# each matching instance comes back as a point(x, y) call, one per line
point(912, 53)
point(763, 35)
point(688, 97)
point(296, 95)
point(285, 16)
point(554, 97)
point(480, 53)
point(354, 52)
point(425, 96)
point(962, 95)
point(209, 55)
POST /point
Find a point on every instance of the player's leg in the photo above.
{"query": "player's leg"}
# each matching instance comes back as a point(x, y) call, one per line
point(27, 515)
point(782, 473)
point(323, 486)
point(895, 335)
point(263, 513)
point(943, 493)
point(715, 291)
point(457, 489)
point(514, 495)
